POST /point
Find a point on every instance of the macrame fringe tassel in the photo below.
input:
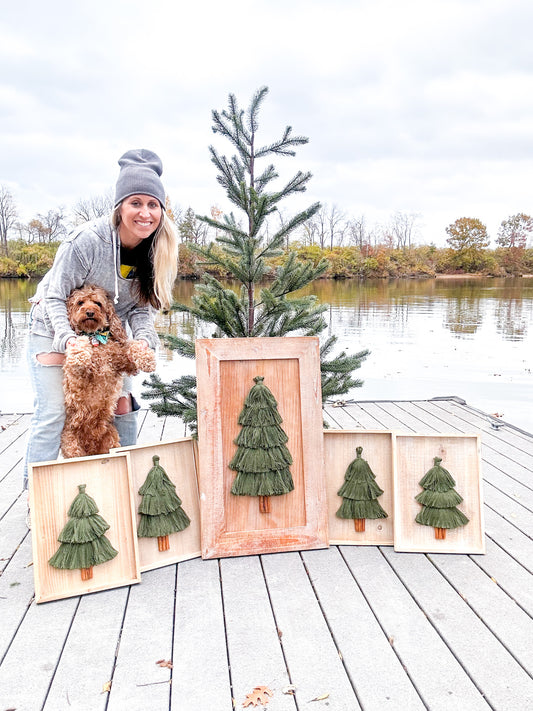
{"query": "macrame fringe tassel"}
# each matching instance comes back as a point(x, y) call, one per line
point(359, 524)
point(86, 573)
point(163, 544)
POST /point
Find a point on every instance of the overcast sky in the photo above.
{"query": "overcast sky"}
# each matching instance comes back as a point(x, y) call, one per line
point(418, 106)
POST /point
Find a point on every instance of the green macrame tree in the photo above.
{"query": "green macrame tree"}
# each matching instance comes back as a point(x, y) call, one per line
point(360, 493)
point(439, 500)
point(83, 543)
point(160, 507)
point(262, 459)
point(242, 249)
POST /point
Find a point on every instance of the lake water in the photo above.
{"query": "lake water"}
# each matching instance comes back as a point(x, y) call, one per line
point(468, 337)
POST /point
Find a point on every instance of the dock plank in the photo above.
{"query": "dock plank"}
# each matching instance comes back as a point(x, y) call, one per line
point(16, 593)
point(138, 683)
point(255, 653)
point(201, 678)
point(359, 637)
point(13, 530)
point(312, 657)
point(29, 666)
point(433, 669)
point(368, 627)
point(89, 648)
point(508, 573)
point(499, 678)
point(510, 624)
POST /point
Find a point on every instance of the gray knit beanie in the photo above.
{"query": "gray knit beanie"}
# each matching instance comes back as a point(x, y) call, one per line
point(139, 175)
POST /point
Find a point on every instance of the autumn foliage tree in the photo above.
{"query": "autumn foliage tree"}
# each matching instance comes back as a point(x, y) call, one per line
point(467, 237)
point(512, 240)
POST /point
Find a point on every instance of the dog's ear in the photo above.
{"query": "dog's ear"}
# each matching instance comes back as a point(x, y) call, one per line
point(70, 305)
point(116, 328)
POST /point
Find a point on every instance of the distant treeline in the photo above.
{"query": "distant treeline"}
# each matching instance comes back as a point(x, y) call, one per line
point(350, 262)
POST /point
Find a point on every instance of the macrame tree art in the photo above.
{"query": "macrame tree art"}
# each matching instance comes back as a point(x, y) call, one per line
point(83, 543)
point(262, 459)
point(439, 501)
point(360, 492)
point(160, 507)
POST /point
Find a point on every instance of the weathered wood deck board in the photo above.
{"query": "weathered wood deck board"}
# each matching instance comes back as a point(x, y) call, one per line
point(433, 668)
point(201, 676)
point(254, 646)
point(371, 628)
point(358, 634)
point(315, 665)
point(92, 641)
point(496, 673)
point(146, 638)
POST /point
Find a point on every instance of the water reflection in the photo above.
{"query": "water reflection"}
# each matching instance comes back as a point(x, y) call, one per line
point(426, 337)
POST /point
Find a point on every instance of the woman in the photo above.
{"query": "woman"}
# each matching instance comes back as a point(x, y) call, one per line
point(134, 256)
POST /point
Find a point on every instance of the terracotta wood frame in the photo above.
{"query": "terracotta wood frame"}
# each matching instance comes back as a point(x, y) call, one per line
point(232, 525)
point(178, 459)
point(461, 456)
point(339, 451)
point(53, 487)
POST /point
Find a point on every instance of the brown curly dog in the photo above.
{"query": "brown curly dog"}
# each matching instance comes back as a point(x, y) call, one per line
point(92, 372)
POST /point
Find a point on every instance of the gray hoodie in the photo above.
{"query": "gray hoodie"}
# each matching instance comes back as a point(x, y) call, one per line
point(90, 255)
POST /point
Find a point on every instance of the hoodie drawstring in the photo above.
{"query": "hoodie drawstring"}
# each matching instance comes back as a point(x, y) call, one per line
point(115, 265)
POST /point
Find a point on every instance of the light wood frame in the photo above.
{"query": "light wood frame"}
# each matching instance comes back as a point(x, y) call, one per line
point(178, 459)
point(461, 456)
point(232, 525)
point(53, 487)
point(339, 451)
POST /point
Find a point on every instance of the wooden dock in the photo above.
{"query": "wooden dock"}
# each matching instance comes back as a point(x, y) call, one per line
point(345, 628)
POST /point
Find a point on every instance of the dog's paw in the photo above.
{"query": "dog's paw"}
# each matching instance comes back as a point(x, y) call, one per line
point(79, 352)
point(142, 356)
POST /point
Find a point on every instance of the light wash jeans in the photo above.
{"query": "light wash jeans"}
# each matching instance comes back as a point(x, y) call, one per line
point(49, 408)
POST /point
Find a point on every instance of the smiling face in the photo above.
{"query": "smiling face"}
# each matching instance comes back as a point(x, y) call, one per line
point(140, 216)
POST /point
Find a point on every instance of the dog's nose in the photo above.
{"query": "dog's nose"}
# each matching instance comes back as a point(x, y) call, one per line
point(89, 314)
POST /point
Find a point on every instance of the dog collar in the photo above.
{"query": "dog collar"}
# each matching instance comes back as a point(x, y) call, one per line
point(97, 336)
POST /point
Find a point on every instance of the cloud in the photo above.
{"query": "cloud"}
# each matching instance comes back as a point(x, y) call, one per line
point(418, 106)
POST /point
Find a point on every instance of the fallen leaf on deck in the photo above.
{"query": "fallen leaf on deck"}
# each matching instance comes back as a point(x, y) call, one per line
point(106, 687)
point(320, 698)
point(164, 663)
point(290, 689)
point(259, 695)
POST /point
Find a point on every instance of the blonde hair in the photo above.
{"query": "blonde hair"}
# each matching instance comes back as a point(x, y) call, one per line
point(165, 259)
point(163, 256)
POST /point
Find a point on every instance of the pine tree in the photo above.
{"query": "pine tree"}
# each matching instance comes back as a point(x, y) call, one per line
point(359, 493)
point(262, 459)
point(439, 500)
point(83, 543)
point(242, 249)
point(160, 507)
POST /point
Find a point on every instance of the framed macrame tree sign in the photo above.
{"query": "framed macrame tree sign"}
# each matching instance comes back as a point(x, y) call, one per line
point(165, 490)
point(261, 475)
point(438, 493)
point(359, 466)
point(83, 526)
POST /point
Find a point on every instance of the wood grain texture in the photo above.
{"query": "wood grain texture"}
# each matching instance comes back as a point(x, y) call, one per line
point(178, 459)
point(232, 525)
point(53, 487)
point(339, 451)
point(461, 456)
